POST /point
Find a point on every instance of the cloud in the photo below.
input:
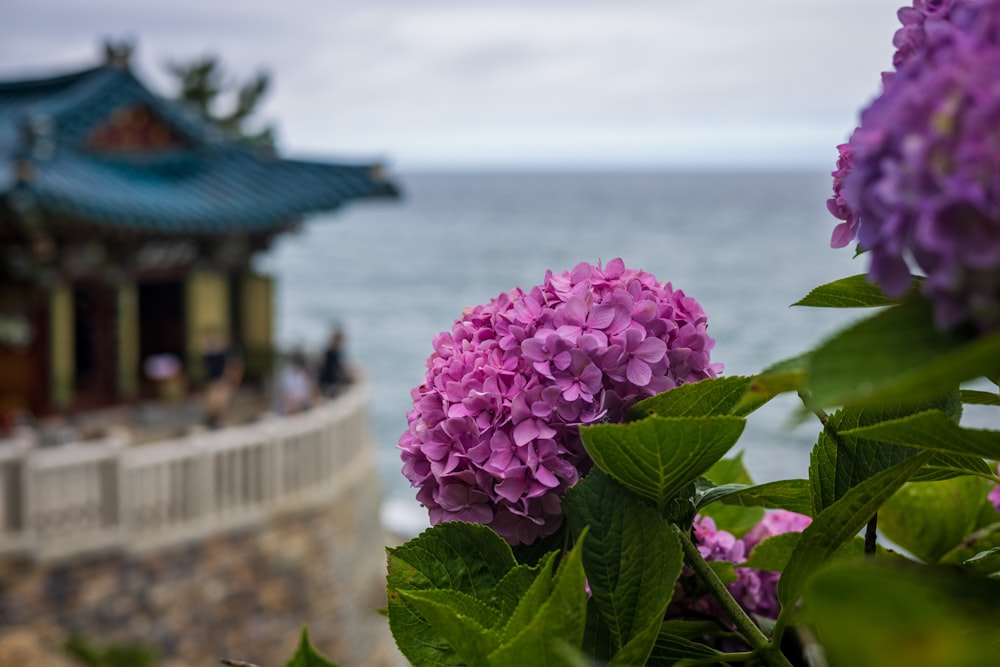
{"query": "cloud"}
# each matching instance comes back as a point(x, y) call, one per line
point(425, 80)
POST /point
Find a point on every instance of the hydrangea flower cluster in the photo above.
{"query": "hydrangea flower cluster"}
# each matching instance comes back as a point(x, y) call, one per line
point(919, 180)
point(493, 434)
point(755, 590)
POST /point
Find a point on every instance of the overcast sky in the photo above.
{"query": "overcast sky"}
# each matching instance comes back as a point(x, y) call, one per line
point(509, 83)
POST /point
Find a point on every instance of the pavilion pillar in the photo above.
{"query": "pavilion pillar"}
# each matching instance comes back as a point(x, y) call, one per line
point(257, 325)
point(206, 304)
point(128, 339)
point(62, 360)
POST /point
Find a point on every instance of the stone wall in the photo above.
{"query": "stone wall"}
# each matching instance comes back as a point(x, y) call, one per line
point(242, 595)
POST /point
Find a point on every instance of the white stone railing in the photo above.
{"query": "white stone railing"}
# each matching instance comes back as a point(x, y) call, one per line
point(83, 497)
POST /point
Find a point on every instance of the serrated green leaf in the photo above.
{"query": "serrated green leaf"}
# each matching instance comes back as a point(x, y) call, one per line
point(467, 624)
point(532, 599)
point(932, 518)
point(794, 495)
point(632, 559)
point(784, 376)
point(560, 619)
point(469, 558)
point(933, 430)
point(306, 655)
point(737, 519)
point(659, 456)
point(852, 292)
point(897, 356)
point(705, 398)
point(873, 613)
point(975, 397)
point(841, 521)
point(841, 460)
point(671, 649)
point(514, 587)
point(947, 466)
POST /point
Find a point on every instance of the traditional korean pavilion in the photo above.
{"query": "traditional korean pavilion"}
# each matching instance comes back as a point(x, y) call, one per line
point(127, 226)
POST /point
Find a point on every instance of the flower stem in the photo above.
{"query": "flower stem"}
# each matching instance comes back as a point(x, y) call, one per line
point(758, 641)
point(871, 536)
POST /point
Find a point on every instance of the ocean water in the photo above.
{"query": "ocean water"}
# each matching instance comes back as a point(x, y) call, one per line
point(393, 274)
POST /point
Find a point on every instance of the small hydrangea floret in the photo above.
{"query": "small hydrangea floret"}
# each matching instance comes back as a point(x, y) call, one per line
point(493, 435)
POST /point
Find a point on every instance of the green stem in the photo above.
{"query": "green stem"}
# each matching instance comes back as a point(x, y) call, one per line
point(758, 640)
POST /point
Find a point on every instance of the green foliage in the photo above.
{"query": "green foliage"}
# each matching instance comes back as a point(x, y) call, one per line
point(306, 655)
point(111, 654)
point(632, 559)
point(658, 456)
point(841, 521)
point(879, 612)
point(931, 519)
point(897, 356)
point(852, 292)
point(458, 597)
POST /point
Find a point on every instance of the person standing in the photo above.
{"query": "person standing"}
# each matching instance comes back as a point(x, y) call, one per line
point(333, 373)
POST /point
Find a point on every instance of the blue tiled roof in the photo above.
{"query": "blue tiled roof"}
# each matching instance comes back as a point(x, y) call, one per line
point(208, 185)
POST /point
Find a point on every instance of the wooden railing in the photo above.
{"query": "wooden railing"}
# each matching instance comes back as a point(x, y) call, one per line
point(82, 497)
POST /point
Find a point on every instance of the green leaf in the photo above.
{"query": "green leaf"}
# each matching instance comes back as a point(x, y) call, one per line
point(532, 600)
point(784, 376)
point(841, 460)
point(897, 356)
point(658, 456)
point(706, 398)
point(560, 620)
point(974, 397)
point(841, 521)
point(632, 559)
point(306, 655)
point(465, 623)
point(984, 562)
point(514, 587)
point(947, 466)
point(773, 553)
point(736, 519)
point(932, 518)
point(671, 649)
point(853, 292)
point(933, 430)
point(983, 539)
point(873, 613)
point(464, 557)
point(794, 495)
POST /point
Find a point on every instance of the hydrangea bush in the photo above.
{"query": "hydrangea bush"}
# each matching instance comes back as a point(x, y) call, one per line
point(494, 437)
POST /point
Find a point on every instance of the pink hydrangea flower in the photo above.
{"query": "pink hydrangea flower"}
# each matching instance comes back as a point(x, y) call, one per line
point(493, 434)
point(995, 494)
point(755, 590)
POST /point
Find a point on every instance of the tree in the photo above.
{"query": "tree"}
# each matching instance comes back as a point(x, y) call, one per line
point(203, 85)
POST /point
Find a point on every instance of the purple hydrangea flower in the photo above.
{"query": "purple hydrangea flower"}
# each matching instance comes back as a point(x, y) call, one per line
point(493, 434)
point(755, 590)
point(919, 181)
